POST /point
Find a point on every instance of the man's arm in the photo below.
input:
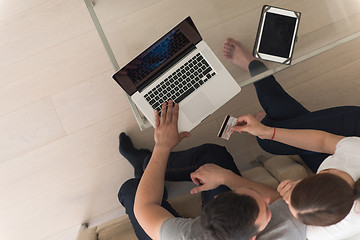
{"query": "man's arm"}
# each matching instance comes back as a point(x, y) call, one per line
point(147, 206)
point(312, 140)
point(147, 209)
point(210, 176)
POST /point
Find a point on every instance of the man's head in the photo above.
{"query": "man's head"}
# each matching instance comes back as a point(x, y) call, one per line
point(239, 214)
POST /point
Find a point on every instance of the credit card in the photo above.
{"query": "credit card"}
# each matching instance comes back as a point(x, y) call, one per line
point(225, 129)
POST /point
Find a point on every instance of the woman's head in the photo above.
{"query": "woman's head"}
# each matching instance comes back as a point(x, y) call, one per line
point(321, 200)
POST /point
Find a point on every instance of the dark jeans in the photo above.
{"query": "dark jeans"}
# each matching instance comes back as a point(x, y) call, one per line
point(179, 167)
point(283, 111)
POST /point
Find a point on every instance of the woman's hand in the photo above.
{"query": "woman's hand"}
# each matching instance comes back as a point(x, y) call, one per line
point(285, 189)
point(250, 125)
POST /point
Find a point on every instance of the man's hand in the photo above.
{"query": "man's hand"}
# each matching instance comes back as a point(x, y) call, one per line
point(250, 125)
point(166, 131)
point(210, 176)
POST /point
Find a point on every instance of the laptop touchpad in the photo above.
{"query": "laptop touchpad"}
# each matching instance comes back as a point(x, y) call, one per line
point(198, 107)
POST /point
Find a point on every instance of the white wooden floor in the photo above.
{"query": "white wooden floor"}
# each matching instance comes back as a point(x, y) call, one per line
point(61, 114)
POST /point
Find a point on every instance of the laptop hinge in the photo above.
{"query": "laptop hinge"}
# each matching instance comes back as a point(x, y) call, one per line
point(183, 54)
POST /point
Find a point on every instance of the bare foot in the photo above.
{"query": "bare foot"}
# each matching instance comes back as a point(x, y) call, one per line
point(234, 51)
point(260, 115)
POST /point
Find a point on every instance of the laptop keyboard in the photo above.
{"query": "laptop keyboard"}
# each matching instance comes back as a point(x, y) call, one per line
point(181, 82)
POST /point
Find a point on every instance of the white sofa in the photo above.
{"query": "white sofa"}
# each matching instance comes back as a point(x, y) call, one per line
point(272, 172)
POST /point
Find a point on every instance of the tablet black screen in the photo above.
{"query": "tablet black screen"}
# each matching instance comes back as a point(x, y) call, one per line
point(277, 35)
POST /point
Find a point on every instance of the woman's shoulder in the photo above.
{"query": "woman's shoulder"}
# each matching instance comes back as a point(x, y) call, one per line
point(348, 145)
point(349, 141)
point(344, 229)
point(346, 157)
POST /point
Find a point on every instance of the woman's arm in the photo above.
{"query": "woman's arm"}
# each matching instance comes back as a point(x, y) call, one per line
point(312, 140)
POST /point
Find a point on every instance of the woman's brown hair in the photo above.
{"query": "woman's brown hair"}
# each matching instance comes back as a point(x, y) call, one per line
point(323, 199)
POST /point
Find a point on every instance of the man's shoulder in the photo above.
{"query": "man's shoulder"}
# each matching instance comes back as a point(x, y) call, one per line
point(181, 228)
point(278, 204)
point(282, 224)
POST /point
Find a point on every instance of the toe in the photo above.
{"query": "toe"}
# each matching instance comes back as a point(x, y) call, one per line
point(233, 42)
point(227, 50)
point(229, 40)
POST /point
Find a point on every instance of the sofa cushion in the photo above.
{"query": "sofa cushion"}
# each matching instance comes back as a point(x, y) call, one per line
point(187, 205)
point(260, 175)
point(283, 168)
point(87, 234)
point(297, 159)
point(117, 229)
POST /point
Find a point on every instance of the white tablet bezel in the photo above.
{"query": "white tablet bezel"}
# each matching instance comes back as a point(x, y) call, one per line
point(283, 12)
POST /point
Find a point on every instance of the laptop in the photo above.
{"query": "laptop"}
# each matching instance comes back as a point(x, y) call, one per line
point(179, 67)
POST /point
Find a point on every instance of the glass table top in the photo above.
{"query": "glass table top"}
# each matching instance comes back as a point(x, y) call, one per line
point(127, 28)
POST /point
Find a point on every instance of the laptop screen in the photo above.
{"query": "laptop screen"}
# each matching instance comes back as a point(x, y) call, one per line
point(156, 55)
point(154, 60)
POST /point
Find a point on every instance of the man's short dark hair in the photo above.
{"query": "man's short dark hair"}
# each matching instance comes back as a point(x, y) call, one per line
point(230, 216)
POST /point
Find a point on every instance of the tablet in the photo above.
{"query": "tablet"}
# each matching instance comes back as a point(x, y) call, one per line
point(276, 34)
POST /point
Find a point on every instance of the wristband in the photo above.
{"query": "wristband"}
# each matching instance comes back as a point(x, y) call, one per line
point(273, 134)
